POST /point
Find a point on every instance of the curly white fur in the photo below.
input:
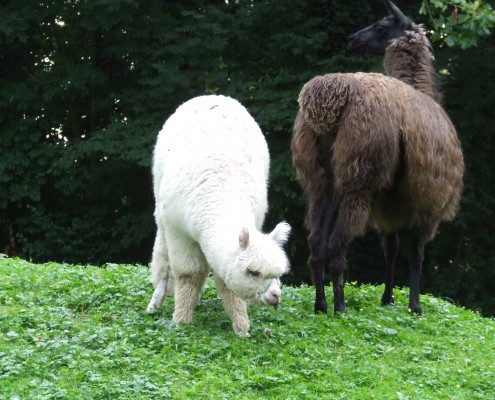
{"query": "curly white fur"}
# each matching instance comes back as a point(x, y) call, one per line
point(210, 173)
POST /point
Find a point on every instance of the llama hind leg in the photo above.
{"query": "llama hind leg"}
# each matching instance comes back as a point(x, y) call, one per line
point(351, 221)
point(235, 307)
point(415, 267)
point(161, 276)
point(318, 246)
point(391, 249)
point(337, 249)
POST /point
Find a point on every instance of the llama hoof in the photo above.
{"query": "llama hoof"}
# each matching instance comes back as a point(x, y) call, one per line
point(387, 300)
point(339, 310)
point(320, 308)
point(415, 309)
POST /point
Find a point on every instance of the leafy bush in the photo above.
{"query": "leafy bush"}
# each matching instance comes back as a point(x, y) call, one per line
point(85, 87)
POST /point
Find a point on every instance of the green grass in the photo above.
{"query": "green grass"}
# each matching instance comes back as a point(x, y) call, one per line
point(81, 332)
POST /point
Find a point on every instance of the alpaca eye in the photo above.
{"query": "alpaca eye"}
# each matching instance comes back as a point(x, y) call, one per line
point(254, 273)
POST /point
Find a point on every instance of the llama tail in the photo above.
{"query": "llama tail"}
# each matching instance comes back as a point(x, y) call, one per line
point(323, 99)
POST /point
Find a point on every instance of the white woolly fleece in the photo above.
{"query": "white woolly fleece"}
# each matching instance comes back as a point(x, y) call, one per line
point(210, 170)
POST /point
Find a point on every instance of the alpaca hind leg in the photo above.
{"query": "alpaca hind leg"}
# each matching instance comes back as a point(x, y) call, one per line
point(161, 276)
point(188, 288)
point(415, 267)
point(234, 306)
point(391, 249)
point(318, 246)
point(157, 297)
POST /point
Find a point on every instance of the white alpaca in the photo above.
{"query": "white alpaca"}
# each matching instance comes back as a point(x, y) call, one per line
point(210, 173)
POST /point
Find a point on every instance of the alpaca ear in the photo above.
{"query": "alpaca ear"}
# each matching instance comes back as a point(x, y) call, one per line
point(281, 233)
point(244, 238)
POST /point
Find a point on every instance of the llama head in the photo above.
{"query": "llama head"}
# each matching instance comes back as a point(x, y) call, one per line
point(260, 263)
point(376, 38)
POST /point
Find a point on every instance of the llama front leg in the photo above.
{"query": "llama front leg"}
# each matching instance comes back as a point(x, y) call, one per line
point(234, 306)
point(415, 267)
point(318, 246)
point(188, 288)
point(391, 249)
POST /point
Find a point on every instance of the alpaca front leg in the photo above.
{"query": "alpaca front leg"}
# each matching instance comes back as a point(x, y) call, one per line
point(187, 291)
point(234, 306)
point(391, 249)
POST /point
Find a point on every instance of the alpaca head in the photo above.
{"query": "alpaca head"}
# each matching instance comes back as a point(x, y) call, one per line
point(376, 38)
point(260, 263)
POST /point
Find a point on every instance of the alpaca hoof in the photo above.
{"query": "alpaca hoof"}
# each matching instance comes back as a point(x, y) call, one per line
point(151, 309)
point(182, 318)
point(241, 329)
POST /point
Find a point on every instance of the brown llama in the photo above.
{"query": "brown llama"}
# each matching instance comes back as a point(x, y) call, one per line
point(371, 149)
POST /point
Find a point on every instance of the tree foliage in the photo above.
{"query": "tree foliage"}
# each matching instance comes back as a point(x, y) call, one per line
point(459, 22)
point(85, 86)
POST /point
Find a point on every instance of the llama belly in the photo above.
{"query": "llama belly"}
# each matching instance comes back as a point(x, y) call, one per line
point(392, 212)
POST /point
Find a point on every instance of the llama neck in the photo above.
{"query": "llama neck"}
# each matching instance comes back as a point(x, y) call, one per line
point(410, 59)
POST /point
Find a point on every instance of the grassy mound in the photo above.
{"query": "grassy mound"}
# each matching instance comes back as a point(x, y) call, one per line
point(81, 332)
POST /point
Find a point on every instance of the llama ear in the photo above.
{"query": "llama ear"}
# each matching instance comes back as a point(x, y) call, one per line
point(394, 10)
point(244, 238)
point(281, 233)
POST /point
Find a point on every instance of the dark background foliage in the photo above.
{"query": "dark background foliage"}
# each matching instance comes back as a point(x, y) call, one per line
point(85, 87)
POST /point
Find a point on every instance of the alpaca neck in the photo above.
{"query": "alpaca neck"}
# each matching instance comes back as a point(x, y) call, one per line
point(410, 59)
point(219, 238)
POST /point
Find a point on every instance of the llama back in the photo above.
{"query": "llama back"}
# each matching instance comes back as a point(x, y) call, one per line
point(342, 110)
point(371, 126)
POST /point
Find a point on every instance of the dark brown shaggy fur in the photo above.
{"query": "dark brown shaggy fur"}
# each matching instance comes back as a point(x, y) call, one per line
point(366, 120)
point(373, 149)
point(409, 59)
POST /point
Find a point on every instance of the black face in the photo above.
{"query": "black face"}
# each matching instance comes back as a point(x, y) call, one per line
point(376, 38)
